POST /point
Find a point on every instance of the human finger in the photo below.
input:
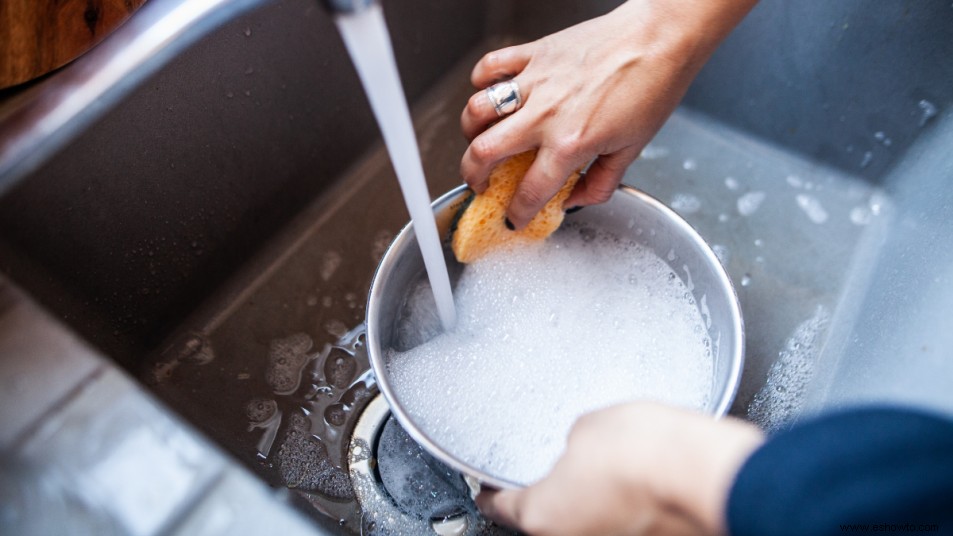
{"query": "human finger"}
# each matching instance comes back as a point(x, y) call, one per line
point(500, 65)
point(480, 112)
point(542, 181)
point(489, 148)
point(601, 180)
point(501, 506)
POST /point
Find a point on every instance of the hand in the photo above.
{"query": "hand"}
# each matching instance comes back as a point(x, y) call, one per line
point(633, 469)
point(598, 90)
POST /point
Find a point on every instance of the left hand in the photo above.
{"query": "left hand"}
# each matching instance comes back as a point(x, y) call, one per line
point(633, 469)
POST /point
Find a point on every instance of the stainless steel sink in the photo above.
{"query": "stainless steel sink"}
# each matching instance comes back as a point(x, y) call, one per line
point(237, 198)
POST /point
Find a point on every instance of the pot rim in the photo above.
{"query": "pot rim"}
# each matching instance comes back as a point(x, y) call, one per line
point(404, 239)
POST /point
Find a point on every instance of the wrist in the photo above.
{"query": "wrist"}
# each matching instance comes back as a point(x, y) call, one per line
point(727, 444)
point(690, 30)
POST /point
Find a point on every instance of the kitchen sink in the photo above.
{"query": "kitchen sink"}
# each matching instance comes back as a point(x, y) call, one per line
point(222, 215)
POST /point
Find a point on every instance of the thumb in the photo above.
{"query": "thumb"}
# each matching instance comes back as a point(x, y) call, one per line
point(500, 506)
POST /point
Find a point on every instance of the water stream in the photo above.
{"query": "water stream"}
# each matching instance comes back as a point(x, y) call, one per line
point(368, 43)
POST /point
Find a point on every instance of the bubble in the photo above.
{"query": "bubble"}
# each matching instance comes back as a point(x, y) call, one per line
point(335, 414)
point(303, 462)
point(286, 360)
point(503, 388)
point(779, 402)
point(339, 368)
point(259, 410)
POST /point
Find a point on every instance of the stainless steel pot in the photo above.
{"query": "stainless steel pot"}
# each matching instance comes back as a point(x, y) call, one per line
point(402, 267)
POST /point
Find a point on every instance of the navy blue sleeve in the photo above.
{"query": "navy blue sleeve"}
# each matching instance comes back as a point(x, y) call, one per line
point(889, 469)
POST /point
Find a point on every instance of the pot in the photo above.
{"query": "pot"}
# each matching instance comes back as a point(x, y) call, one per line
point(401, 268)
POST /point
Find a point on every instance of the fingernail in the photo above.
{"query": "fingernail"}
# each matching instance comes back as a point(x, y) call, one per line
point(574, 209)
point(509, 224)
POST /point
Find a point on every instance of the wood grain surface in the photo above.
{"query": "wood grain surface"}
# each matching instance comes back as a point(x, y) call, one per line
point(37, 36)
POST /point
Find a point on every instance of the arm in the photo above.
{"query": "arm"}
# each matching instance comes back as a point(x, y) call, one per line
point(598, 90)
point(642, 469)
point(871, 466)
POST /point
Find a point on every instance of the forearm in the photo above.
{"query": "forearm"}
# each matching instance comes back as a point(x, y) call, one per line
point(864, 466)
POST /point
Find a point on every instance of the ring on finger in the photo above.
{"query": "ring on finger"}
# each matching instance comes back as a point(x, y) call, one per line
point(505, 97)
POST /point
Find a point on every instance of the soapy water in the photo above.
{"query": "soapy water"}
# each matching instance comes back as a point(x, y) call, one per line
point(314, 395)
point(779, 402)
point(286, 359)
point(546, 333)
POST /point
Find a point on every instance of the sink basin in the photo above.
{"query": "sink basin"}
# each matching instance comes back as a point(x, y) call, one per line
point(233, 205)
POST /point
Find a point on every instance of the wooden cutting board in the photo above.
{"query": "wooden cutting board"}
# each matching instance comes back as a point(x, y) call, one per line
point(37, 36)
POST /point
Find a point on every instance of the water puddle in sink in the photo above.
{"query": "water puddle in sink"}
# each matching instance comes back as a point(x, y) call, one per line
point(368, 42)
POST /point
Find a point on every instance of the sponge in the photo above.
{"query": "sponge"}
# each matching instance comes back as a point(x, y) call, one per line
point(481, 228)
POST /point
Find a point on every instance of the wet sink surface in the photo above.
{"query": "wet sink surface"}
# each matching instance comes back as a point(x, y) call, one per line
point(263, 352)
point(786, 228)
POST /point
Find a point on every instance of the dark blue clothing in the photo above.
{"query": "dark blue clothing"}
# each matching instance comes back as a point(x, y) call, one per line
point(889, 469)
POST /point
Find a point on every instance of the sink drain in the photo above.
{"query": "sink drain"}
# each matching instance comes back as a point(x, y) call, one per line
point(401, 489)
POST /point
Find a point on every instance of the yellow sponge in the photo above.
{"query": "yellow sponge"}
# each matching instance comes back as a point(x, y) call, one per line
point(481, 227)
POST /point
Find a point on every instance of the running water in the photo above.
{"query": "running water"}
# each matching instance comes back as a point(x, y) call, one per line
point(368, 42)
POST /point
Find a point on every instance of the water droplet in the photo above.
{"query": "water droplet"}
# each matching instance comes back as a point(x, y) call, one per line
point(860, 215)
point(731, 183)
point(812, 207)
point(653, 152)
point(750, 202)
point(689, 164)
point(686, 203)
point(745, 280)
point(867, 159)
point(247, 31)
point(928, 111)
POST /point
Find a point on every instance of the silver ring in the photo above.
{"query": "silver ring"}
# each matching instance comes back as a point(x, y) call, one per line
point(505, 97)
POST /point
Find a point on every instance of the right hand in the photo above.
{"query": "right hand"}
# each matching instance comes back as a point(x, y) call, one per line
point(595, 92)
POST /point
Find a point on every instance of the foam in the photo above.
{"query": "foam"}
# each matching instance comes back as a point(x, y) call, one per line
point(556, 329)
point(779, 403)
